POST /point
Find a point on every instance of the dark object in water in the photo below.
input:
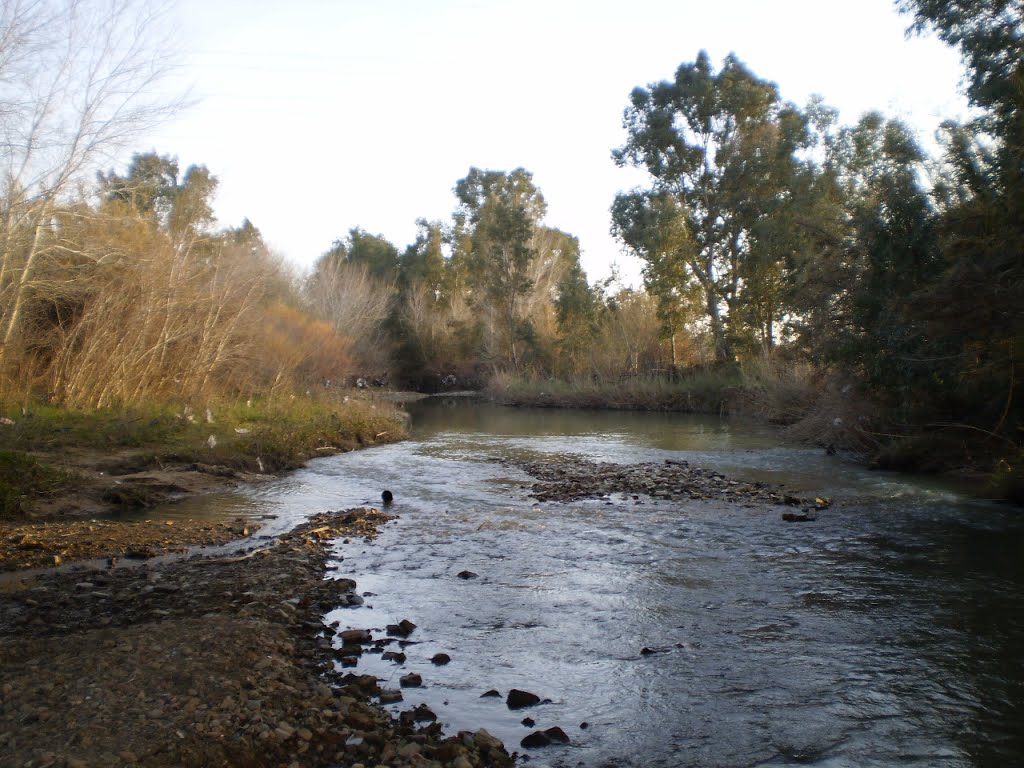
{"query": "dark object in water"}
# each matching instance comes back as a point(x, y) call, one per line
point(387, 497)
point(800, 517)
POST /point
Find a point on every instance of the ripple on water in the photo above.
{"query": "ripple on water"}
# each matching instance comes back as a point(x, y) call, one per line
point(886, 633)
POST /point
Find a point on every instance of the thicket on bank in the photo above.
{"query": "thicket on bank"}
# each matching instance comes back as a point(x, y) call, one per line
point(767, 232)
point(119, 290)
point(130, 296)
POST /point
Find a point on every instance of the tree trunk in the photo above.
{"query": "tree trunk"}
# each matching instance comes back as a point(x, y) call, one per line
point(723, 353)
point(21, 289)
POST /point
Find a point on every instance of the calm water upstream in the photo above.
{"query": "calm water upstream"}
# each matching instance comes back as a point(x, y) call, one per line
point(890, 632)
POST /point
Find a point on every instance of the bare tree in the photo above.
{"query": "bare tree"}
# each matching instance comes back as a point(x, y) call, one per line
point(353, 301)
point(78, 79)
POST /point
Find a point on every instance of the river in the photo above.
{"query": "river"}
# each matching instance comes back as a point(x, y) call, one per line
point(889, 632)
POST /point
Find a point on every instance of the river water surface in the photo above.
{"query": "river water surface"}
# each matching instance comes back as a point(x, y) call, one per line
point(889, 632)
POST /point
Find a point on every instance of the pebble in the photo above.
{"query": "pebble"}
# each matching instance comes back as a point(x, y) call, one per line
point(202, 656)
point(577, 478)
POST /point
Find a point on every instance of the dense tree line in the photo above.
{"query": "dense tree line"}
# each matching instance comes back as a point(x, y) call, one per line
point(495, 289)
point(767, 230)
point(772, 227)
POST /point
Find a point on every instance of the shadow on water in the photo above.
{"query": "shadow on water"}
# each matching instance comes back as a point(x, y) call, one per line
point(886, 633)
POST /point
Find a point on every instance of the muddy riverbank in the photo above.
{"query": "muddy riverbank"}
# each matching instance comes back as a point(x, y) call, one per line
point(94, 517)
point(205, 662)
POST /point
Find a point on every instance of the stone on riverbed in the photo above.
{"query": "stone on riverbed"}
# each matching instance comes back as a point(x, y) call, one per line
point(355, 636)
point(518, 699)
point(800, 517)
point(575, 478)
point(545, 738)
point(404, 628)
point(412, 680)
point(535, 739)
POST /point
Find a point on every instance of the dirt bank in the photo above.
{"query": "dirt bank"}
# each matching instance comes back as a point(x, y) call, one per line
point(75, 521)
point(204, 662)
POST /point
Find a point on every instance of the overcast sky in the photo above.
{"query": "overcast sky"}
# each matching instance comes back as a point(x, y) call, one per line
point(322, 115)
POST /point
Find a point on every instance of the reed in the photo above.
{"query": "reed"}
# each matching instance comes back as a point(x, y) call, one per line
point(706, 390)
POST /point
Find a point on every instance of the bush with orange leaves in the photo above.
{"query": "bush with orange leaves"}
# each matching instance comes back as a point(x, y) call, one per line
point(299, 350)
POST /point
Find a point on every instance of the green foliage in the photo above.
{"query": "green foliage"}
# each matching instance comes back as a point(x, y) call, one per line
point(892, 229)
point(423, 264)
point(151, 189)
point(500, 213)
point(375, 252)
point(989, 36)
point(284, 433)
point(721, 152)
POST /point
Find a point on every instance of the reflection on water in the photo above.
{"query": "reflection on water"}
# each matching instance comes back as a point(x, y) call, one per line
point(886, 633)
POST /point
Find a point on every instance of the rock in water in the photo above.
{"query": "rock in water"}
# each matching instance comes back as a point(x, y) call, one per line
point(412, 680)
point(355, 636)
point(518, 699)
point(556, 734)
point(535, 739)
point(403, 628)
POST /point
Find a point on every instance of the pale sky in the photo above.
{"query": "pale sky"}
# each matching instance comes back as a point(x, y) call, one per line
point(322, 115)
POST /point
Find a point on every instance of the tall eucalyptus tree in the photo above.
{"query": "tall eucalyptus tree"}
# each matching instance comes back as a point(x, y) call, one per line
point(722, 151)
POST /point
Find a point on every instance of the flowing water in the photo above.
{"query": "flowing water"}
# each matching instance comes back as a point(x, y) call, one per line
point(890, 632)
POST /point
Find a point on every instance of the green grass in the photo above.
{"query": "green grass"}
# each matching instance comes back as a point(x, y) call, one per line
point(255, 434)
point(23, 477)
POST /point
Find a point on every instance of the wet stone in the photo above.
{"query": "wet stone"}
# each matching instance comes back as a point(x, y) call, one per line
point(518, 699)
point(404, 628)
point(534, 740)
point(355, 636)
point(557, 735)
point(412, 680)
point(390, 696)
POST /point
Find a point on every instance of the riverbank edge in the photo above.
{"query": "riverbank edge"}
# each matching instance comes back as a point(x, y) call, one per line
point(59, 464)
point(829, 415)
point(80, 500)
point(200, 661)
